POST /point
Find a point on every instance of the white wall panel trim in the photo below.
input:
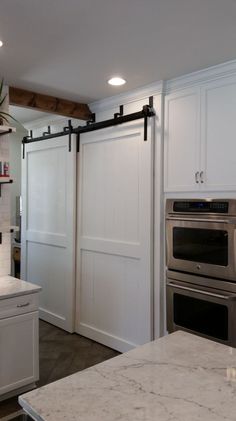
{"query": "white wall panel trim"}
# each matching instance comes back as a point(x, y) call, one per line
point(111, 247)
point(46, 238)
point(105, 338)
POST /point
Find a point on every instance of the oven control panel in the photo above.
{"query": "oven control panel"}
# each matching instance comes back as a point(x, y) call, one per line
point(201, 206)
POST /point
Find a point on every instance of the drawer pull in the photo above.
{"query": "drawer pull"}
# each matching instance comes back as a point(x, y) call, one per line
point(23, 305)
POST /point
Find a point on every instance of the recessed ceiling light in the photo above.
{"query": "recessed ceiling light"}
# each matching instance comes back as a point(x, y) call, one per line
point(1, 43)
point(116, 81)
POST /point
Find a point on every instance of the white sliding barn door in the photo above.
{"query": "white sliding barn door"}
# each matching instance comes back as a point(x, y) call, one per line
point(114, 258)
point(48, 226)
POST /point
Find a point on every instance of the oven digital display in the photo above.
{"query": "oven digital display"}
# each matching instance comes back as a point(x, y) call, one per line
point(201, 206)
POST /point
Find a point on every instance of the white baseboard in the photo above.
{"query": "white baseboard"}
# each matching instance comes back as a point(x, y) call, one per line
point(13, 415)
point(18, 391)
point(55, 320)
point(105, 338)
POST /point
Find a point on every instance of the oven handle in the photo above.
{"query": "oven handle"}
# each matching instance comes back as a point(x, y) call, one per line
point(221, 221)
point(209, 294)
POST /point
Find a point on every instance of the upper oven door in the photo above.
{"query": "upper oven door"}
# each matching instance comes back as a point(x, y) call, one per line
point(201, 247)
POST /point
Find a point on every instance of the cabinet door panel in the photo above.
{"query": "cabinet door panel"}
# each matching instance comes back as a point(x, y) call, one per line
point(18, 351)
point(182, 133)
point(218, 135)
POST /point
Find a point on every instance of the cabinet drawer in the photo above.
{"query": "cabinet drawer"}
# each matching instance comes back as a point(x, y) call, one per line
point(18, 305)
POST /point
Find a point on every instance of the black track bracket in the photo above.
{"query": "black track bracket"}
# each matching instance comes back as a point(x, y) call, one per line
point(25, 140)
point(68, 129)
point(147, 112)
point(120, 113)
point(92, 119)
point(48, 132)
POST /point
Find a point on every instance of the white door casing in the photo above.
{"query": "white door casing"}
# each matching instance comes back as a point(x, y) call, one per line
point(115, 236)
point(49, 226)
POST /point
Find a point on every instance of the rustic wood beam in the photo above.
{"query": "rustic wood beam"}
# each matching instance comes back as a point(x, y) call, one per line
point(48, 104)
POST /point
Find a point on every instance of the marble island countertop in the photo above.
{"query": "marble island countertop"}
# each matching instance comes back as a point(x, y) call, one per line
point(13, 287)
point(180, 377)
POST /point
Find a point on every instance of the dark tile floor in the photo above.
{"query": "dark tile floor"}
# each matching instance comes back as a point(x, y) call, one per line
point(61, 354)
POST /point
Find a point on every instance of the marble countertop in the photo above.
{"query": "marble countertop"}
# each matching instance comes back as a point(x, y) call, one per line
point(13, 287)
point(180, 377)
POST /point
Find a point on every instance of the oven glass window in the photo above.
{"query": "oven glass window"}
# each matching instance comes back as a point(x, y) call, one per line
point(201, 245)
point(201, 316)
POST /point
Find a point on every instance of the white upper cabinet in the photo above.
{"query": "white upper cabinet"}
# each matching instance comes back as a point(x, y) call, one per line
point(181, 140)
point(219, 134)
point(200, 140)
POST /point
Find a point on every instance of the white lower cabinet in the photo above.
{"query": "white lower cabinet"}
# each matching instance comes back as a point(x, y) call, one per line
point(19, 358)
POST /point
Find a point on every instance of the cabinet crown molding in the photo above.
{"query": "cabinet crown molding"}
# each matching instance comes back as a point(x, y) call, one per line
point(138, 94)
point(201, 76)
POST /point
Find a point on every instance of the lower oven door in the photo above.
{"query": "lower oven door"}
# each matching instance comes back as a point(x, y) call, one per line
point(204, 248)
point(202, 311)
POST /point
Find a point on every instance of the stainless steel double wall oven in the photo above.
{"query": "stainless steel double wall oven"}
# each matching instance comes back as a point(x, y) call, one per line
point(201, 267)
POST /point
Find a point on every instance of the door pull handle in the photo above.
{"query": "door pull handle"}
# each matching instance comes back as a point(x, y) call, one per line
point(23, 305)
point(202, 292)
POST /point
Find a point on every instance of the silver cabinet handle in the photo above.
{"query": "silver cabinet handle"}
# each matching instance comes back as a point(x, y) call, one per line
point(200, 291)
point(197, 177)
point(23, 305)
point(201, 177)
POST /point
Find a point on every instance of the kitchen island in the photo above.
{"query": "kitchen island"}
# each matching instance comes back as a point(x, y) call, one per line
point(13, 287)
point(180, 377)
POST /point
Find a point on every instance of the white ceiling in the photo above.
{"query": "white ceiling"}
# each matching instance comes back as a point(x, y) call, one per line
point(70, 48)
